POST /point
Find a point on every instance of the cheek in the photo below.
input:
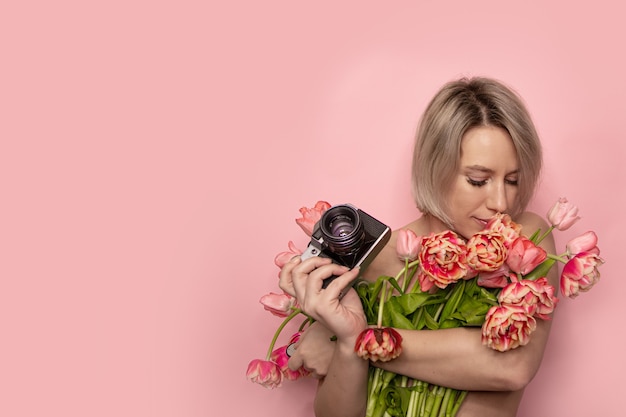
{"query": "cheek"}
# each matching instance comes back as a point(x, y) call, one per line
point(512, 196)
point(462, 198)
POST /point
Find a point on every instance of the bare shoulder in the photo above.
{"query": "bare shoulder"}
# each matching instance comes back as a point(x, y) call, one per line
point(386, 262)
point(531, 222)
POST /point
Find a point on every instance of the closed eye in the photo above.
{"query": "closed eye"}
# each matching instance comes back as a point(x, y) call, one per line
point(476, 183)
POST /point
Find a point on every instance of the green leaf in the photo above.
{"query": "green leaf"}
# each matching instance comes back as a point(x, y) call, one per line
point(394, 316)
point(395, 285)
point(400, 321)
point(475, 316)
point(396, 400)
point(450, 324)
point(541, 270)
point(418, 319)
point(535, 235)
point(430, 322)
point(413, 301)
point(490, 296)
point(453, 301)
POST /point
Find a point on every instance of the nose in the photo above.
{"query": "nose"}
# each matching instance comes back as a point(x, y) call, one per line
point(496, 200)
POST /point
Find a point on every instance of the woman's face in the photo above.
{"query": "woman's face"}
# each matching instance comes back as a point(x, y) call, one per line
point(486, 183)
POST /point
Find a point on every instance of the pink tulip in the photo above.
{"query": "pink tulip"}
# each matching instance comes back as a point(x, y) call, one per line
point(581, 273)
point(278, 304)
point(536, 297)
point(266, 373)
point(442, 260)
point(563, 214)
point(494, 279)
point(379, 344)
point(524, 256)
point(310, 216)
point(280, 357)
point(282, 258)
point(408, 245)
point(502, 223)
point(582, 243)
point(507, 327)
point(486, 251)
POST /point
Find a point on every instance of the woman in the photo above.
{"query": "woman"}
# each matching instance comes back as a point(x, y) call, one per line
point(476, 154)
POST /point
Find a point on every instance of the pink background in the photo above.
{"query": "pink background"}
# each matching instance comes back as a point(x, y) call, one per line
point(154, 156)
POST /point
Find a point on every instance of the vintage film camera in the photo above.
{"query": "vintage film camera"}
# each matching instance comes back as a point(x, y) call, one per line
point(348, 236)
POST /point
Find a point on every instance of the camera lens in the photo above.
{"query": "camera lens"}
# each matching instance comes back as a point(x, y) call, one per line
point(341, 226)
point(342, 229)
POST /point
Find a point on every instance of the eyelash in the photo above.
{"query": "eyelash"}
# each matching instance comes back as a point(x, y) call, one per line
point(476, 183)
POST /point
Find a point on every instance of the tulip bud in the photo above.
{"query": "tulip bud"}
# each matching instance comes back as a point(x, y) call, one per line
point(524, 256)
point(580, 273)
point(282, 258)
point(379, 344)
point(563, 214)
point(266, 373)
point(582, 243)
point(310, 216)
point(408, 245)
point(278, 304)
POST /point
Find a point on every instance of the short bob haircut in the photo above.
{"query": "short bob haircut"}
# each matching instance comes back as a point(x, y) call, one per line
point(458, 107)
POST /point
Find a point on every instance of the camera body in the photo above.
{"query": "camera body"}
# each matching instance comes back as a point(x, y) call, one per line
point(348, 236)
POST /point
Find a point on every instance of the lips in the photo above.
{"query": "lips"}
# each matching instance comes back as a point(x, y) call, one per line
point(482, 222)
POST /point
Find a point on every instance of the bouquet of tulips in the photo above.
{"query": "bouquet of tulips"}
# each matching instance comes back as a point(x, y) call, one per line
point(495, 280)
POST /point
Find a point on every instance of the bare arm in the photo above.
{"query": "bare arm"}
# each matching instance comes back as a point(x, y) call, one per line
point(343, 391)
point(456, 357)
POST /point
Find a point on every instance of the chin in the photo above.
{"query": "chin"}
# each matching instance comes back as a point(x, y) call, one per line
point(468, 231)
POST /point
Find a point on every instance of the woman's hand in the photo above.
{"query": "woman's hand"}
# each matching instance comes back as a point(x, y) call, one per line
point(337, 307)
point(313, 351)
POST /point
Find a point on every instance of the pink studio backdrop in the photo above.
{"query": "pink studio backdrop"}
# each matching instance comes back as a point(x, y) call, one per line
point(154, 156)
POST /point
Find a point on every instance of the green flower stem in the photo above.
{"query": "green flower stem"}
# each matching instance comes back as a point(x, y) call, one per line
point(405, 271)
point(444, 403)
point(543, 236)
point(458, 402)
point(373, 378)
point(381, 303)
point(410, 410)
point(293, 314)
point(428, 405)
point(419, 404)
point(442, 305)
point(376, 406)
point(439, 391)
point(380, 380)
point(308, 320)
point(559, 258)
point(373, 383)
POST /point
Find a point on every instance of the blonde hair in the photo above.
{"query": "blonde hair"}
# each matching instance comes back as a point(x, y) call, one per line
point(459, 106)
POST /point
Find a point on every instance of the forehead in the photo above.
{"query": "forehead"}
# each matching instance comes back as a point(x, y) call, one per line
point(489, 147)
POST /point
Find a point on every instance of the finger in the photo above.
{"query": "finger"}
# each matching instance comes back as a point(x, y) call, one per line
point(295, 362)
point(316, 279)
point(301, 272)
point(285, 281)
point(339, 286)
point(312, 264)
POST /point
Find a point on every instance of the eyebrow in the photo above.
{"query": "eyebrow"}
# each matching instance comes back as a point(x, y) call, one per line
point(485, 170)
point(479, 168)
